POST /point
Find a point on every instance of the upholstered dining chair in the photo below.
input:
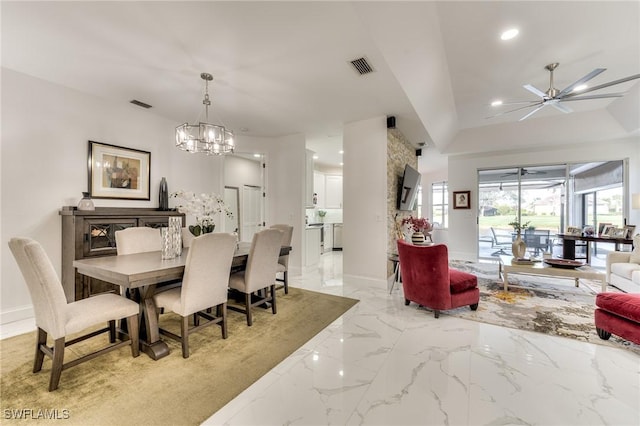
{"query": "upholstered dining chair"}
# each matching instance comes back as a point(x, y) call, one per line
point(260, 272)
point(204, 285)
point(283, 261)
point(58, 319)
point(138, 239)
point(428, 281)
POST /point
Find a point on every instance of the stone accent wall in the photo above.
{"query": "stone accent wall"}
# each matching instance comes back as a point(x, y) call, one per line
point(399, 153)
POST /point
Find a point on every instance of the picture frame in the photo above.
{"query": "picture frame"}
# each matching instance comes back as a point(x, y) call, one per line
point(573, 231)
point(461, 199)
point(629, 230)
point(118, 172)
point(607, 231)
point(601, 227)
point(618, 233)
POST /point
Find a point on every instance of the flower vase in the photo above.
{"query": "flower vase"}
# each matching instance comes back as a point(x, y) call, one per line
point(518, 247)
point(163, 195)
point(417, 238)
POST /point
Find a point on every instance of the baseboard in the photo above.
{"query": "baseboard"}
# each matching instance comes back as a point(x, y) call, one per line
point(381, 283)
point(16, 314)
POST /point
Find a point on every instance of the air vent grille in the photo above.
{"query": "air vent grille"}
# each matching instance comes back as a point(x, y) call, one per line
point(140, 104)
point(361, 66)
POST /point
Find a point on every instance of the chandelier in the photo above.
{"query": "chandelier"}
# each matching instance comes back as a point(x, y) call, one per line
point(210, 139)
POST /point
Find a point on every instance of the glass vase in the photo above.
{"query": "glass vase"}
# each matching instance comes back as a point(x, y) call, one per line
point(86, 203)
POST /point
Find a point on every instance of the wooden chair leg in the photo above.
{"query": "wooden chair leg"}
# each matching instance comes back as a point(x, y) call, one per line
point(184, 333)
point(112, 331)
point(247, 304)
point(222, 312)
point(134, 334)
point(286, 282)
point(56, 367)
point(39, 357)
point(273, 298)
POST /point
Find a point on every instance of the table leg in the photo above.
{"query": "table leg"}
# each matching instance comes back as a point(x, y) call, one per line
point(577, 281)
point(505, 280)
point(604, 284)
point(151, 344)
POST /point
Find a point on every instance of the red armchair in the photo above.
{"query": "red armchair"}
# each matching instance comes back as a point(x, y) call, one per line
point(428, 281)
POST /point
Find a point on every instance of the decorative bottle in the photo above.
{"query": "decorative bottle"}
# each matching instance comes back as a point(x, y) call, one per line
point(86, 203)
point(163, 195)
point(518, 247)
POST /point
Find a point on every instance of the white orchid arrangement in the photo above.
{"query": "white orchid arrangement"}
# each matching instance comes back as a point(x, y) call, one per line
point(204, 207)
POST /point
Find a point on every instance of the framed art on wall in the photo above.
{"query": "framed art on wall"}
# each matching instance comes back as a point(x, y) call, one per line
point(462, 199)
point(118, 172)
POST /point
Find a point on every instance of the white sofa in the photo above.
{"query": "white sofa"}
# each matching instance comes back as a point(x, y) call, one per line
point(623, 268)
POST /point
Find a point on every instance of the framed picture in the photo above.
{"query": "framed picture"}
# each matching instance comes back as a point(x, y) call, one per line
point(574, 231)
point(118, 172)
point(618, 232)
point(601, 227)
point(628, 231)
point(608, 231)
point(462, 199)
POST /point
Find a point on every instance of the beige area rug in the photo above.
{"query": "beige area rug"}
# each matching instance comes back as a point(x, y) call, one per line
point(116, 389)
point(547, 305)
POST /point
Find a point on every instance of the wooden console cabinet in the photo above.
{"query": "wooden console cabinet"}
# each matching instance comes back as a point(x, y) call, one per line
point(91, 234)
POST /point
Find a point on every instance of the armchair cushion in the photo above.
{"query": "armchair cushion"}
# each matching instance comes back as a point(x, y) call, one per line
point(635, 254)
point(624, 305)
point(461, 281)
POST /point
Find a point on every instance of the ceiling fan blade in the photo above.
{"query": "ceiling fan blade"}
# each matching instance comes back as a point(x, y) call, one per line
point(581, 98)
point(601, 86)
point(516, 109)
point(532, 112)
point(560, 107)
point(583, 80)
point(535, 91)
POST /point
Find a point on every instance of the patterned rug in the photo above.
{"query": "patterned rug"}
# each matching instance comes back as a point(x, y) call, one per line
point(546, 305)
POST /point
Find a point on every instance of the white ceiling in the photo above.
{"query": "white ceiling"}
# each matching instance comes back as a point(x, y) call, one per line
point(283, 67)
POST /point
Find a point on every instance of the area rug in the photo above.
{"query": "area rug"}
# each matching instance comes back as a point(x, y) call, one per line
point(545, 304)
point(116, 389)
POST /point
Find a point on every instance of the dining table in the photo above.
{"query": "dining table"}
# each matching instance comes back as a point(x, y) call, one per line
point(143, 272)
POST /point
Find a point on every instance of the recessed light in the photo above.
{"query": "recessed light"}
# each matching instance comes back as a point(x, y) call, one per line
point(496, 103)
point(509, 34)
point(342, 164)
point(257, 155)
point(315, 157)
point(341, 152)
point(581, 87)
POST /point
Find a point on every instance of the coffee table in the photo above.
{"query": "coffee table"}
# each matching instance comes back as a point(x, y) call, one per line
point(508, 266)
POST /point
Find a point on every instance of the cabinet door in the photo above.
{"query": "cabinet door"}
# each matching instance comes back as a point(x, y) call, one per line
point(318, 188)
point(154, 222)
point(333, 192)
point(99, 237)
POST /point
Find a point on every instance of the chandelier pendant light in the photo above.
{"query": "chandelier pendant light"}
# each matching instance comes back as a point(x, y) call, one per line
point(210, 139)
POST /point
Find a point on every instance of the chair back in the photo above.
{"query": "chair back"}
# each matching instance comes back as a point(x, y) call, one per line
point(263, 259)
point(425, 273)
point(138, 239)
point(287, 234)
point(187, 237)
point(206, 273)
point(47, 295)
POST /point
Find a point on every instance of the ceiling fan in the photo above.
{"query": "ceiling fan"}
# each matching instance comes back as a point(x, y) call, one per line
point(524, 171)
point(554, 97)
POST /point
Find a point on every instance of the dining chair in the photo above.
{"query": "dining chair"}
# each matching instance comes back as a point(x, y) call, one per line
point(260, 272)
point(58, 319)
point(187, 237)
point(283, 261)
point(138, 239)
point(204, 285)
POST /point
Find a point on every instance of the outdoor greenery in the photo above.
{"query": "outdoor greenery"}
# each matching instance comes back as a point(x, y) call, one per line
point(539, 222)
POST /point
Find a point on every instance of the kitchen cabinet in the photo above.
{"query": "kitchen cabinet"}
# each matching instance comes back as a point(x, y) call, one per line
point(308, 179)
point(312, 246)
point(319, 189)
point(91, 233)
point(333, 192)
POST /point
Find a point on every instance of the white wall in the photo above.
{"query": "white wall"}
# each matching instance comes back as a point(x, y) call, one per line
point(462, 176)
point(365, 200)
point(45, 134)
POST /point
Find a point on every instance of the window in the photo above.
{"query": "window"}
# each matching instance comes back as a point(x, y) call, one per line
point(440, 204)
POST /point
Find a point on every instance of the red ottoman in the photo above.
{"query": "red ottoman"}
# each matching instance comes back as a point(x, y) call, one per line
point(619, 314)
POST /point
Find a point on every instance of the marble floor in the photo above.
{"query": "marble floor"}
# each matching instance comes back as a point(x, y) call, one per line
point(383, 363)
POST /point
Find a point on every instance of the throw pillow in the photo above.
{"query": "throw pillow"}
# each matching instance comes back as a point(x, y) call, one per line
point(635, 254)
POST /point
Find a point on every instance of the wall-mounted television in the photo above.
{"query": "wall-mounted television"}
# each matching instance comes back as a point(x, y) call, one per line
point(408, 188)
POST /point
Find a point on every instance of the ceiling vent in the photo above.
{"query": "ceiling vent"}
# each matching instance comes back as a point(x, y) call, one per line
point(361, 66)
point(140, 104)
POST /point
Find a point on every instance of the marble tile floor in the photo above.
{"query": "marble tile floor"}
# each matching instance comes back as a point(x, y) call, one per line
point(383, 363)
